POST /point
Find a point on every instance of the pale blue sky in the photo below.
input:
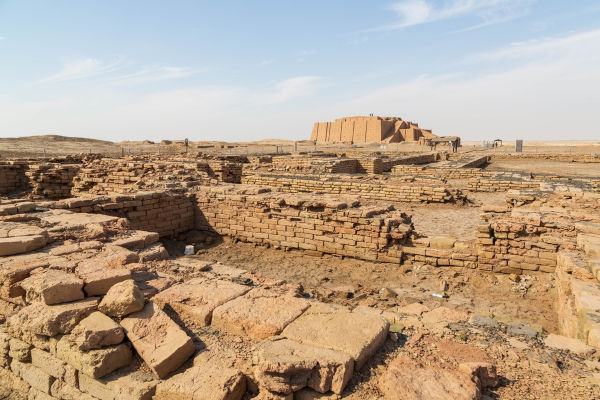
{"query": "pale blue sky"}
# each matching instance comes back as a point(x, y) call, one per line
point(248, 70)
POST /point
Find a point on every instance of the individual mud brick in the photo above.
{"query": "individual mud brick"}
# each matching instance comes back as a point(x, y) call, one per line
point(94, 363)
point(161, 343)
point(122, 299)
point(53, 287)
point(96, 331)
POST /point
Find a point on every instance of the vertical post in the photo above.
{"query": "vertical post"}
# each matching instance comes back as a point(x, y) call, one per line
point(90, 150)
point(129, 151)
point(122, 152)
point(44, 152)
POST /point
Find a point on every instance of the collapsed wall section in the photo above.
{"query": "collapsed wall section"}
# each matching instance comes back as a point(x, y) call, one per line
point(12, 176)
point(167, 213)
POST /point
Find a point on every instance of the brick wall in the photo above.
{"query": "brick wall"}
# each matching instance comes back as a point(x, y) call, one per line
point(12, 176)
point(382, 190)
point(163, 212)
point(312, 223)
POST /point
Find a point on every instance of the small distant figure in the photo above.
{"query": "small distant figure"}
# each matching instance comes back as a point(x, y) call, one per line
point(454, 146)
point(187, 143)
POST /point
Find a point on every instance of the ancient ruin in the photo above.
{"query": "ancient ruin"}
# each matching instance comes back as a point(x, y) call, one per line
point(368, 129)
point(351, 273)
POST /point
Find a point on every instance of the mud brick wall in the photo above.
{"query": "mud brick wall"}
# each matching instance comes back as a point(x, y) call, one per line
point(501, 185)
point(311, 223)
point(524, 239)
point(442, 253)
point(370, 165)
point(448, 173)
point(163, 212)
point(410, 160)
point(12, 176)
point(302, 164)
point(392, 191)
point(118, 176)
point(51, 181)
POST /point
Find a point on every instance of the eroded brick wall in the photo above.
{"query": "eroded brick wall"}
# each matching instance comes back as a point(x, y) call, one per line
point(312, 223)
point(12, 176)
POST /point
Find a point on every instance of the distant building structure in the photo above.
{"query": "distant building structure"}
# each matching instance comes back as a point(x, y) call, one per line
point(369, 129)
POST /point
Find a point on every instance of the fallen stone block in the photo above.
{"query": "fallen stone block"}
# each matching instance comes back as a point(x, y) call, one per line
point(195, 300)
point(19, 350)
point(98, 283)
point(161, 343)
point(210, 378)
point(259, 314)
point(13, 273)
point(96, 331)
point(154, 252)
point(42, 319)
point(321, 324)
point(405, 379)
point(122, 299)
point(52, 287)
point(285, 366)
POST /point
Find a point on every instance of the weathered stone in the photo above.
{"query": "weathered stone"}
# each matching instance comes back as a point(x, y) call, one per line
point(321, 325)
point(13, 273)
point(444, 316)
point(575, 346)
point(521, 330)
point(121, 299)
point(94, 363)
point(21, 244)
point(96, 331)
point(406, 380)
point(99, 282)
point(19, 350)
point(34, 376)
point(35, 394)
point(484, 321)
point(258, 314)
point(120, 385)
point(65, 391)
point(52, 320)
point(52, 287)
point(413, 309)
point(211, 378)
point(161, 343)
point(53, 366)
point(195, 300)
point(284, 366)
point(12, 387)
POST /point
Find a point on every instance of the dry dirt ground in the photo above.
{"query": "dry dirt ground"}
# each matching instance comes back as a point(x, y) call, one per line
point(527, 369)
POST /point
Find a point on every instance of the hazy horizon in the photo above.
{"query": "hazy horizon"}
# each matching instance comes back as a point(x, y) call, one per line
point(240, 71)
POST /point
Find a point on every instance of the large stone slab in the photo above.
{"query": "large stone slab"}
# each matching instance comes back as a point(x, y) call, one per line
point(285, 366)
point(52, 287)
point(21, 244)
point(260, 313)
point(195, 300)
point(94, 363)
point(357, 334)
point(97, 331)
point(161, 343)
point(210, 378)
point(405, 379)
point(42, 319)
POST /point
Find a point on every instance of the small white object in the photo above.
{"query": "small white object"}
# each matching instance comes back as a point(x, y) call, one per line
point(437, 295)
point(189, 249)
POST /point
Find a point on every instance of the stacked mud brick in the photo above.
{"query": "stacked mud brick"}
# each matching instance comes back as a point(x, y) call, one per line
point(502, 183)
point(370, 165)
point(52, 181)
point(428, 192)
point(164, 212)
point(578, 291)
point(441, 252)
point(225, 171)
point(12, 175)
point(448, 173)
point(413, 159)
point(524, 239)
point(313, 223)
